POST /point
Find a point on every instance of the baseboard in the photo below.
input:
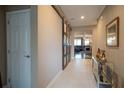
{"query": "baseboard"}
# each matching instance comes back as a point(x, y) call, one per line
point(54, 79)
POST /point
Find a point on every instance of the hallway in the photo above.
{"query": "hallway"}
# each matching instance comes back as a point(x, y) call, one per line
point(78, 74)
point(57, 46)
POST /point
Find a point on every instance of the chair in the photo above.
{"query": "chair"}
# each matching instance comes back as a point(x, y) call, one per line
point(0, 81)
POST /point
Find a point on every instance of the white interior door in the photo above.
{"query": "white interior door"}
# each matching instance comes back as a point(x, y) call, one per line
point(18, 48)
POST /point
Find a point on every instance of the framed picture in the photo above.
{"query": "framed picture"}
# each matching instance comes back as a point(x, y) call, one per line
point(112, 33)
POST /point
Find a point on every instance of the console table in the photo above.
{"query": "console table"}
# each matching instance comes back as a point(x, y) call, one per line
point(102, 73)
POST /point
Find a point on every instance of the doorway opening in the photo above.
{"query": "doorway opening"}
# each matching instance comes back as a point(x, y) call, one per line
point(83, 46)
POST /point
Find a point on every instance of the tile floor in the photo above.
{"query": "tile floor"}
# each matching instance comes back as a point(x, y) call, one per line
point(78, 74)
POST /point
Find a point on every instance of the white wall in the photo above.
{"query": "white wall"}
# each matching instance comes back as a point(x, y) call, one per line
point(49, 45)
point(114, 55)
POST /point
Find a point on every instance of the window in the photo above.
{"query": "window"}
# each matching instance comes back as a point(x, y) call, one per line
point(87, 42)
point(77, 42)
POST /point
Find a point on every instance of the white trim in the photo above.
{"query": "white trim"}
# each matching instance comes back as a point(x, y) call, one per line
point(54, 79)
point(18, 11)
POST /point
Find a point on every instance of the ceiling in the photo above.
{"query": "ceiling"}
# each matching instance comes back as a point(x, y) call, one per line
point(90, 12)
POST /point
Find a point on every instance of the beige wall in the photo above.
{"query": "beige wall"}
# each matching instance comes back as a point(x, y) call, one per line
point(94, 41)
point(3, 61)
point(49, 45)
point(114, 55)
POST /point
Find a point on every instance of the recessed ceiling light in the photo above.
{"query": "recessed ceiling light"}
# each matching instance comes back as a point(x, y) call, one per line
point(82, 17)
